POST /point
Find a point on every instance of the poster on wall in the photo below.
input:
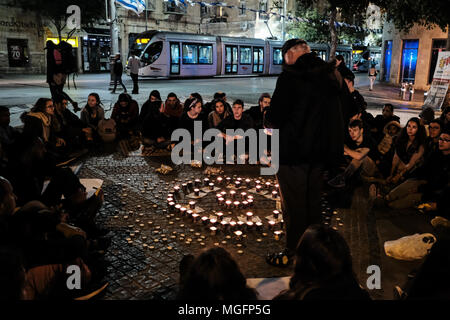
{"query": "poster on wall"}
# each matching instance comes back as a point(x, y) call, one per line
point(18, 52)
point(441, 79)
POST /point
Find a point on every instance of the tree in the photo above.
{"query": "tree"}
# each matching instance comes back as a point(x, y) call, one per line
point(347, 10)
point(55, 11)
point(427, 13)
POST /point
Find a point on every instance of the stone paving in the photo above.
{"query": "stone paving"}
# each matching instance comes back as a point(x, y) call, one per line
point(149, 240)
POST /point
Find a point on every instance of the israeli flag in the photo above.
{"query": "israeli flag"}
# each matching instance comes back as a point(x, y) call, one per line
point(138, 6)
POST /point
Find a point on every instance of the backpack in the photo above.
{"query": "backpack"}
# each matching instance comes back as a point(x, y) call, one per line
point(107, 130)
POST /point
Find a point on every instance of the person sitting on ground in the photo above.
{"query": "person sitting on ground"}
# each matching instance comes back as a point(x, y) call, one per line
point(72, 129)
point(156, 130)
point(125, 113)
point(409, 150)
point(172, 106)
point(381, 120)
point(93, 112)
point(216, 117)
point(432, 141)
point(428, 182)
point(361, 154)
point(425, 116)
point(188, 119)
point(146, 107)
point(192, 96)
point(212, 276)
point(208, 107)
point(257, 112)
point(7, 133)
point(386, 147)
point(445, 116)
point(323, 269)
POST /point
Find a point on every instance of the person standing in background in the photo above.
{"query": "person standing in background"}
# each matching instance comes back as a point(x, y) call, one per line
point(133, 64)
point(372, 75)
point(118, 70)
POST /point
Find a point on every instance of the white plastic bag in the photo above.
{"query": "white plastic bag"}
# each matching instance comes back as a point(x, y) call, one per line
point(409, 248)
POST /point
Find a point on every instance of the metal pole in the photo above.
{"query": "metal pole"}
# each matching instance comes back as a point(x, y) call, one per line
point(114, 39)
point(146, 16)
point(283, 23)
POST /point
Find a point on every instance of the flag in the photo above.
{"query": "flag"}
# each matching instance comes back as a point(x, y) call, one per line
point(138, 6)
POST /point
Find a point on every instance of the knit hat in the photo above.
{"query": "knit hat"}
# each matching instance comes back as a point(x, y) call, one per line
point(291, 43)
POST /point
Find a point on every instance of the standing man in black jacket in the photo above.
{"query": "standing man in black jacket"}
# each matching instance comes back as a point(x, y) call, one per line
point(118, 70)
point(306, 109)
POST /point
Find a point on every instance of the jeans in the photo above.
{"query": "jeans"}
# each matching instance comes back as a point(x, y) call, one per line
point(134, 77)
point(118, 78)
point(405, 195)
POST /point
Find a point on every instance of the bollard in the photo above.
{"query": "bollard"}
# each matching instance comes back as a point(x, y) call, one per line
point(411, 91)
point(403, 91)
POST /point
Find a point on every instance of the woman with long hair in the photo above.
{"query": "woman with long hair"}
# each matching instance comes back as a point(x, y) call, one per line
point(409, 149)
point(218, 114)
point(214, 275)
point(93, 112)
point(323, 268)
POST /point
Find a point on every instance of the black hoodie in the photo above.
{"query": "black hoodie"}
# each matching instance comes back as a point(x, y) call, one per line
point(306, 108)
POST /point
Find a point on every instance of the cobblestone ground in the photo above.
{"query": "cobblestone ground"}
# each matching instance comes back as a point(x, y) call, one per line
point(149, 240)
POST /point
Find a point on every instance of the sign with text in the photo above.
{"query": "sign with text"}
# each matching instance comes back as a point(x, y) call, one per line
point(441, 79)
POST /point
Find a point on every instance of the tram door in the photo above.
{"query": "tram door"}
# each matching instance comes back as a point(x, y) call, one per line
point(174, 58)
point(231, 59)
point(258, 60)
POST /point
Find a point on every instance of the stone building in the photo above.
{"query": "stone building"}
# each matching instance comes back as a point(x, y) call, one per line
point(412, 56)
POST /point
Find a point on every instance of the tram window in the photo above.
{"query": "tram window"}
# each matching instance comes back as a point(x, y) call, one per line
point(152, 52)
point(246, 55)
point(205, 54)
point(277, 57)
point(190, 53)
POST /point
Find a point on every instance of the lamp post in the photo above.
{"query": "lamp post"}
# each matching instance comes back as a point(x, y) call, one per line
point(114, 39)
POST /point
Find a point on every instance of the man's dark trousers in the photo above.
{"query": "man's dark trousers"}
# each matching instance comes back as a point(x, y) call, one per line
point(300, 191)
point(134, 77)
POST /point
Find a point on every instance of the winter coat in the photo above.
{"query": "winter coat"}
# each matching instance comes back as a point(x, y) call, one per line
point(118, 68)
point(86, 118)
point(214, 119)
point(305, 107)
point(37, 124)
point(386, 143)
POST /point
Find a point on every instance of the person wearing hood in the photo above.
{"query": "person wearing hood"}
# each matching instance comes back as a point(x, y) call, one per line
point(306, 109)
point(125, 113)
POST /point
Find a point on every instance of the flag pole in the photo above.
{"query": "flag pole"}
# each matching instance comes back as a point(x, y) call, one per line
point(114, 40)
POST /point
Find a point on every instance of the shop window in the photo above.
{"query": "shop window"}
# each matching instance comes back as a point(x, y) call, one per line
point(409, 60)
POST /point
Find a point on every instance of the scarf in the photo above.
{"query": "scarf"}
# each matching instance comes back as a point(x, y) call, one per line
point(46, 121)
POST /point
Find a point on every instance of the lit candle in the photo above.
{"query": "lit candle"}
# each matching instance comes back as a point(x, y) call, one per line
point(228, 204)
point(176, 189)
point(249, 215)
point(268, 185)
point(240, 224)
point(223, 193)
point(218, 196)
point(189, 213)
point(275, 214)
point(236, 204)
point(197, 182)
point(171, 206)
point(213, 231)
point(228, 180)
point(219, 215)
point(221, 201)
point(185, 187)
point(170, 195)
point(237, 184)
point(197, 192)
point(190, 184)
point(277, 235)
point(259, 226)
point(205, 220)
point(206, 181)
point(233, 225)
point(195, 217)
point(258, 188)
point(248, 181)
point(249, 225)
point(271, 224)
point(243, 195)
point(178, 207)
point(232, 194)
point(244, 204)
point(277, 186)
point(250, 197)
point(281, 223)
point(250, 203)
point(219, 180)
point(213, 221)
point(192, 204)
point(224, 224)
point(258, 182)
point(211, 186)
point(274, 194)
point(183, 211)
point(238, 234)
point(169, 200)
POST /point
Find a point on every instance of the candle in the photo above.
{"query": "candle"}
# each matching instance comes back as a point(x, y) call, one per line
point(271, 224)
point(237, 184)
point(258, 188)
point(228, 179)
point(171, 206)
point(243, 195)
point(275, 214)
point(259, 226)
point(169, 200)
point(197, 192)
point(223, 193)
point(170, 195)
point(249, 215)
point(228, 204)
point(236, 204)
point(178, 207)
point(244, 204)
point(258, 182)
point(197, 182)
point(176, 189)
point(213, 221)
point(205, 220)
point(221, 201)
point(281, 223)
point(195, 217)
point(249, 225)
point(233, 225)
point(219, 215)
point(185, 187)
point(250, 197)
point(206, 181)
point(211, 186)
point(192, 204)
point(274, 194)
point(183, 211)
point(277, 186)
point(224, 225)
point(189, 213)
point(232, 194)
point(218, 196)
point(190, 184)
point(240, 224)
point(219, 180)
point(248, 181)
point(238, 234)
point(250, 203)
point(277, 235)
point(213, 231)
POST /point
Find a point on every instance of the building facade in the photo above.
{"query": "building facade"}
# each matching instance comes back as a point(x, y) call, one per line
point(411, 57)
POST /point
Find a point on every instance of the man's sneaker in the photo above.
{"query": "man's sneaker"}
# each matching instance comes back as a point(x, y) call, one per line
point(337, 182)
